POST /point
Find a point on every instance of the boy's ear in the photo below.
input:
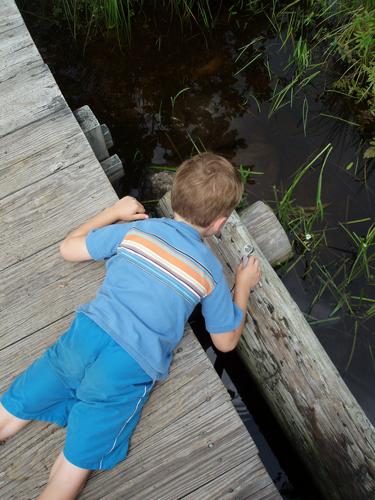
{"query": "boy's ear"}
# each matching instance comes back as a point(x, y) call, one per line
point(217, 225)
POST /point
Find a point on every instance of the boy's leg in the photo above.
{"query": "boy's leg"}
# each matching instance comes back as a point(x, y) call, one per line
point(56, 465)
point(66, 481)
point(9, 424)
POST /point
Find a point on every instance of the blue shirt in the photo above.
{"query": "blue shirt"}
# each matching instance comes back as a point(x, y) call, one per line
point(157, 271)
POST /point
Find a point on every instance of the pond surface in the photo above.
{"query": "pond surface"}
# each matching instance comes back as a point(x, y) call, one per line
point(172, 93)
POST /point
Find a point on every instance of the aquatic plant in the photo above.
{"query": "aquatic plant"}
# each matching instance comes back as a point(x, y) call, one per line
point(364, 252)
point(321, 34)
point(111, 16)
point(173, 98)
point(90, 17)
point(285, 206)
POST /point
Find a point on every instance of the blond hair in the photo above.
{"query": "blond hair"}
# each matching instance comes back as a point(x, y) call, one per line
point(206, 186)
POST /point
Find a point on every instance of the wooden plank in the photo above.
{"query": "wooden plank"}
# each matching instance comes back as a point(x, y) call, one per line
point(10, 17)
point(41, 149)
point(42, 289)
point(20, 104)
point(179, 459)
point(17, 50)
point(35, 214)
point(246, 480)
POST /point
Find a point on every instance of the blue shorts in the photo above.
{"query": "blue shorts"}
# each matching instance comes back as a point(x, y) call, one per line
point(89, 383)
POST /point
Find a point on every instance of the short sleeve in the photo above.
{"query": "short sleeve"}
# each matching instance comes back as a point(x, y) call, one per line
point(221, 314)
point(102, 243)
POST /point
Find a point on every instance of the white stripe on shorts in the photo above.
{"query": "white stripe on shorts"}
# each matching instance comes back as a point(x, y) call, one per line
point(123, 427)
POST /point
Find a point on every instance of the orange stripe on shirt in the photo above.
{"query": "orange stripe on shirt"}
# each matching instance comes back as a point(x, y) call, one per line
point(164, 254)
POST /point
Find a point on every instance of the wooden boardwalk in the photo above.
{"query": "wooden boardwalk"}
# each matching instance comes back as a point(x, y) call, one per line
point(190, 443)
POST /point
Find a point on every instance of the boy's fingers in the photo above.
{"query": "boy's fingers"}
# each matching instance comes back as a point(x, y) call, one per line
point(140, 208)
point(253, 260)
point(139, 216)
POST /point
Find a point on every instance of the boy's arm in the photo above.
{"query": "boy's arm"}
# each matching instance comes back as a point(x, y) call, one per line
point(246, 277)
point(74, 249)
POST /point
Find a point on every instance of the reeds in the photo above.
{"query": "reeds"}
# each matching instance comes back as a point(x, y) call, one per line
point(318, 34)
point(115, 17)
point(335, 280)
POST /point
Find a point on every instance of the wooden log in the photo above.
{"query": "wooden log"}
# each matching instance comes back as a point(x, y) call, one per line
point(303, 388)
point(93, 131)
point(113, 168)
point(263, 225)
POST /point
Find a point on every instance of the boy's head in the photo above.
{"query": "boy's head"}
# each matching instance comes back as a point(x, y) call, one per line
point(206, 188)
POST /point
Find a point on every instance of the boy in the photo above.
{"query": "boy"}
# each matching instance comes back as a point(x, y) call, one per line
point(96, 378)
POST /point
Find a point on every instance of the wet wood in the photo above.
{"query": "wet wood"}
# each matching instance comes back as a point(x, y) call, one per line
point(303, 388)
point(50, 181)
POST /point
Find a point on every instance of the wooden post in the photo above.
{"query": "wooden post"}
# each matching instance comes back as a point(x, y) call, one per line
point(107, 136)
point(93, 131)
point(265, 228)
point(113, 168)
point(303, 388)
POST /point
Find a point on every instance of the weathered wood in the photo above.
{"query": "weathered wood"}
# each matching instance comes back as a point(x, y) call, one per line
point(233, 484)
point(194, 449)
point(93, 131)
point(10, 17)
point(16, 50)
point(46, 201)
point(41, 149)
point(312, 403)
point(263, 225)
point(41, 289)
point(21, 105)
point(113, 168)
point(107, 136)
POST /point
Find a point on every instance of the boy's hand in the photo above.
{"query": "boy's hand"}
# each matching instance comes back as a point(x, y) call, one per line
point(248, 276)
point(129, 209)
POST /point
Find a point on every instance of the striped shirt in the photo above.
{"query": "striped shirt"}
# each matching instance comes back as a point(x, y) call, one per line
point(157, 271)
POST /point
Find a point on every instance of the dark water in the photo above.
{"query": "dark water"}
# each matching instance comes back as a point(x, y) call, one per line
point(134, 93)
